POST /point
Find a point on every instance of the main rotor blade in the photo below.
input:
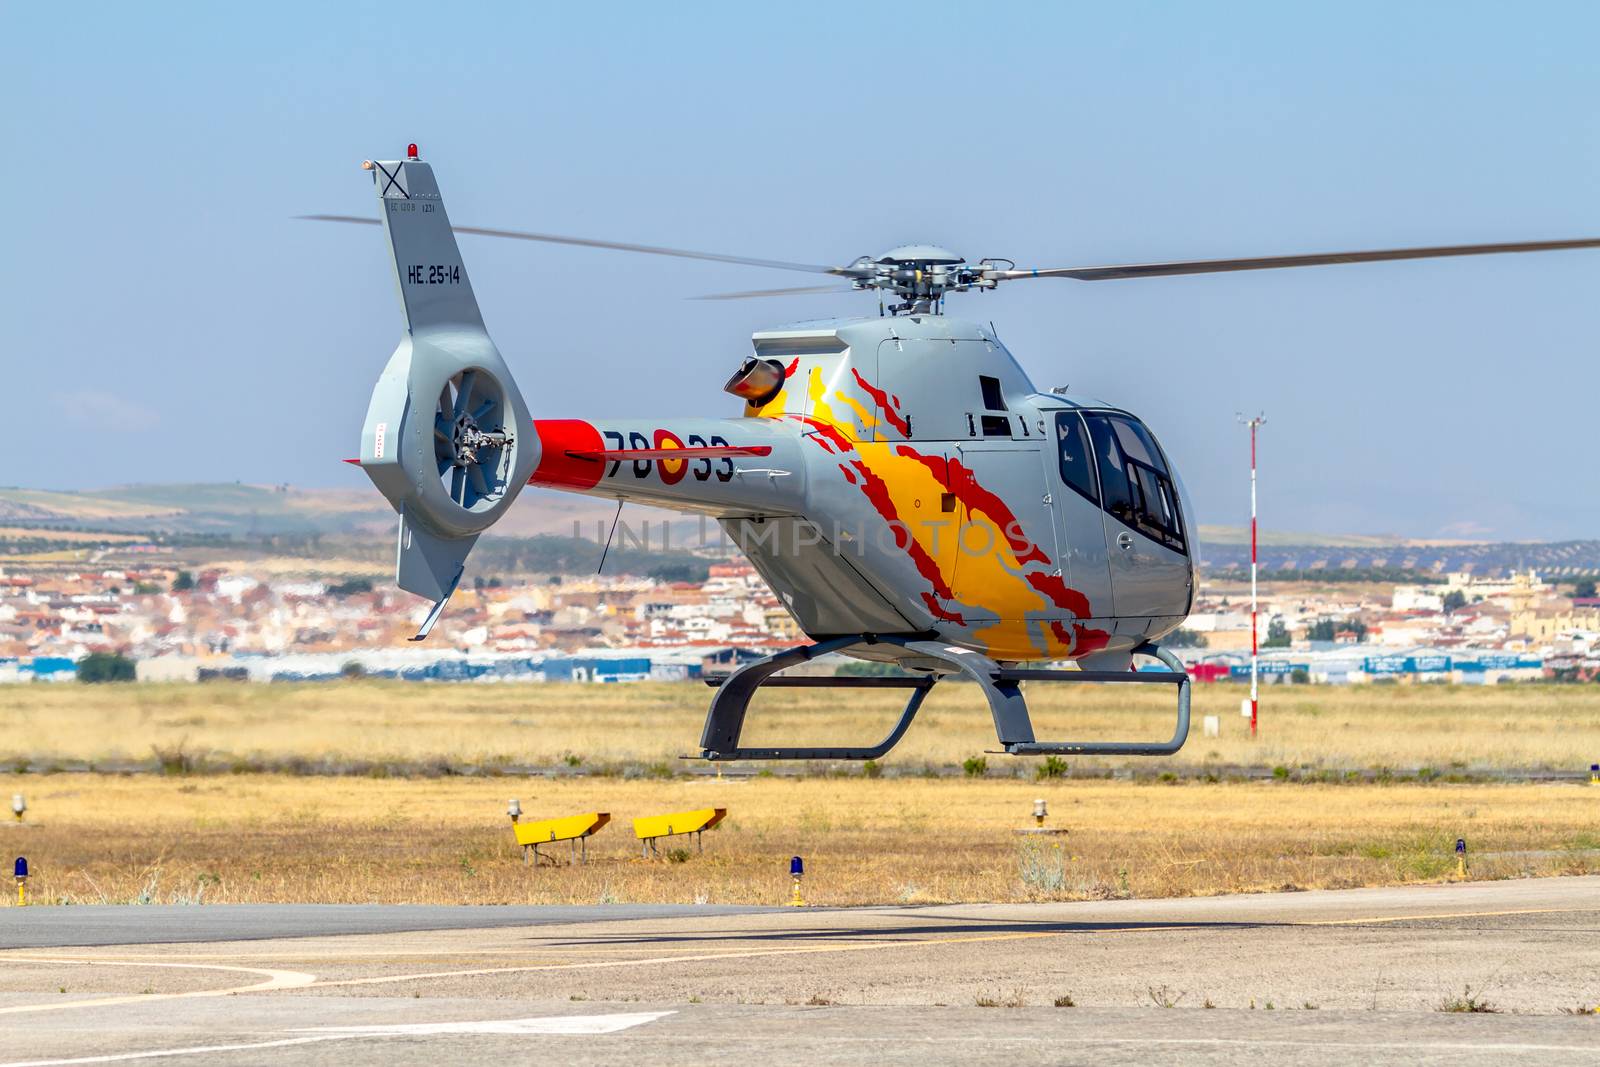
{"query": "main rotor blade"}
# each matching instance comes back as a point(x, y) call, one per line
point(1214, 266)
point(618, 246)
point(794, 291)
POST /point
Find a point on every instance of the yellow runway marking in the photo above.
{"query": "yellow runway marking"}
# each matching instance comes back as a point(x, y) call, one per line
point(274, 980)
point(1442, 915)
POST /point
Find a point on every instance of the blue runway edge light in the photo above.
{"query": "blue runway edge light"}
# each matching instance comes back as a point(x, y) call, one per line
point(20, 868)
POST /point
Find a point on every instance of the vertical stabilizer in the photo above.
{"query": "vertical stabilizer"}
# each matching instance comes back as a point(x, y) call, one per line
point(433, 283)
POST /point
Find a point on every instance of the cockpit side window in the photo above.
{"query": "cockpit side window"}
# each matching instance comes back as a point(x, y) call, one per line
point(1072, 446)
point(1138, 487)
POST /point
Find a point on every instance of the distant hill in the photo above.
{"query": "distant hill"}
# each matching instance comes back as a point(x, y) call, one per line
point(1240, 535)
point(262, 511)
point(236, 509)
point(1552, 559)
point(243, 510)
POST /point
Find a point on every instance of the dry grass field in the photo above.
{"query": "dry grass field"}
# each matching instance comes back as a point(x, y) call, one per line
point(414, 807)
point(378, 727)
point(148, 838)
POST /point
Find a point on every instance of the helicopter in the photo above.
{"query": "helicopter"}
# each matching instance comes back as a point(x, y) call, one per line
point(906, 491)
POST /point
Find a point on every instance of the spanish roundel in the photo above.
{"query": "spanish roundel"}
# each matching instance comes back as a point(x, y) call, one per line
point(672, 470)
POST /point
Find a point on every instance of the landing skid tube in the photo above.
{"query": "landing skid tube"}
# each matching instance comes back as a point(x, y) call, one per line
point(1001, 686)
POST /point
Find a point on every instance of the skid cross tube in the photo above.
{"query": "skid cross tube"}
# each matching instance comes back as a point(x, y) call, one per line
point(1001, 687)
point(1173, 675)
point(725, 720)
point(1009, 707)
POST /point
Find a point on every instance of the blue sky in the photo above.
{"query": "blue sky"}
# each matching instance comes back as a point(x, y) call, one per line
point(166, 321)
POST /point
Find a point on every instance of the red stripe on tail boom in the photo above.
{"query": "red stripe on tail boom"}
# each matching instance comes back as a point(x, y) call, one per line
point(559, 439)
point(711, 452)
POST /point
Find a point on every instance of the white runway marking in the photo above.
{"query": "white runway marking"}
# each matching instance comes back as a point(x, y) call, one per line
point(274, 980)
point(560, 1025)
point(197, 1050)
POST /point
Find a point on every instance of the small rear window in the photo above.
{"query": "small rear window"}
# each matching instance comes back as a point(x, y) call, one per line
point(992, 399)
point(997, 426)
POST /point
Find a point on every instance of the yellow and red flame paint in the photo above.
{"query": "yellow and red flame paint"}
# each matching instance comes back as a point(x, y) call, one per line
point(1015, 580)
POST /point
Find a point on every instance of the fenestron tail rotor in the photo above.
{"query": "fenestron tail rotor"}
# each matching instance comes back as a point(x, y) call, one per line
point(470, 439)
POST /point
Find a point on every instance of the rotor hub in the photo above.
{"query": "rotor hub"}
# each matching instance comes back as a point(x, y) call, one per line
point(468, 440)
point(921, 275)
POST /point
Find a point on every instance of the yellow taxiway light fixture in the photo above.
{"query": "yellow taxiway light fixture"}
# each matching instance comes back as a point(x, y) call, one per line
point(1594, 774)
point(1461, 857)
point(651, 828)
point(20, 870)
point(573, 829)
point(797, 871)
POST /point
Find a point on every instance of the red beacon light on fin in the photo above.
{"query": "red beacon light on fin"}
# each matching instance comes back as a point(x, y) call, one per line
point(411, 151)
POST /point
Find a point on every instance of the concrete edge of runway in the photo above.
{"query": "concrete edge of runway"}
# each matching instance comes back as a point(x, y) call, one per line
point(94, 926)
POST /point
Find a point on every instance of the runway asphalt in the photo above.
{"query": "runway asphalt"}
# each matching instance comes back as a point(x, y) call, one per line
point(1318, 978)
point(112, 924)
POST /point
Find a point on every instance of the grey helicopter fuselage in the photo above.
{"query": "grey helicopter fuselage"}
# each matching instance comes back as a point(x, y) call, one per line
point(890, 476)
point(899, 475)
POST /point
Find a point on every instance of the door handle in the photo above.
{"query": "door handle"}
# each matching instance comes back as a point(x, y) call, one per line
point(1124, 540)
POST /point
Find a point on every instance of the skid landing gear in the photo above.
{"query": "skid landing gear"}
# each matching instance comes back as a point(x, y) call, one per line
point(1001, 686)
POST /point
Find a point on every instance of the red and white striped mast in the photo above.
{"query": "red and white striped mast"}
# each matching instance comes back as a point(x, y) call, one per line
point(1255, 652)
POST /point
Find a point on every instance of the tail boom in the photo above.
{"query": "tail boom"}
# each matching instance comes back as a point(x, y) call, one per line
point(722, 467)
